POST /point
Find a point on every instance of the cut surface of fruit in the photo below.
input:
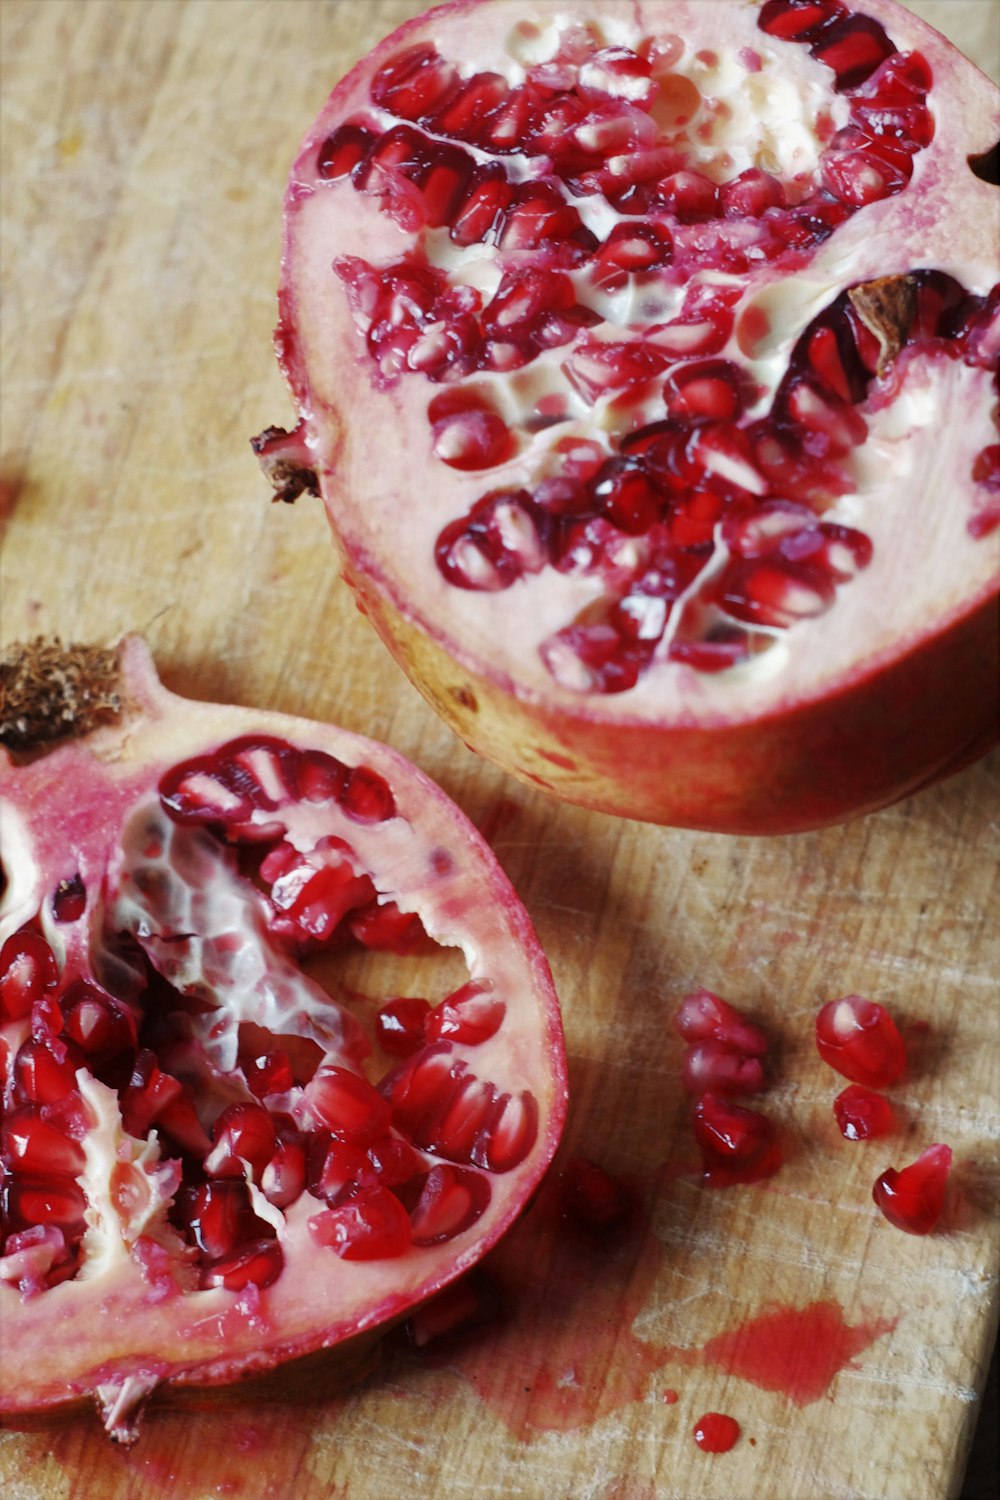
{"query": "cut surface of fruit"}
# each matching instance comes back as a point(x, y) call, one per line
point(685, 320)
point(210, 1169)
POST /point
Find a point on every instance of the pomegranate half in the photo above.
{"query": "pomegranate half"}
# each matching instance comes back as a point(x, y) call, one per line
point(210, 1166)
point(645, 357)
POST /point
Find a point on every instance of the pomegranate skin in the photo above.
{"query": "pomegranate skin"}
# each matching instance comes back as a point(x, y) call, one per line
point(888, 689)
point(197, 1285)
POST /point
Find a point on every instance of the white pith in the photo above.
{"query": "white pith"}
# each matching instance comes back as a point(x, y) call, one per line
point(128, 1319)
point(913, 495)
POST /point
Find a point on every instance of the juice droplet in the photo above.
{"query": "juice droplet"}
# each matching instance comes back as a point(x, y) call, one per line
point(670, 1397)
point(716, 1433)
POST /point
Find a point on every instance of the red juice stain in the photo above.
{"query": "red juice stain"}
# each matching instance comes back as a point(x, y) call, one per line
point(716, 1433)
point(561, 1354)
point(670, 1397)
point(795, 1350)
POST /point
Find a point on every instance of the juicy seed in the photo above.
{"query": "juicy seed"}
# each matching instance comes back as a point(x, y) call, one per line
point(347, 1105)
point(470, 1016)
point(451, 1201)
point(258, 1264)
point(399, 1025)
point(738, 1145)
point(372, 1226)
point(913, 1198)
point(861, 1041)
point(861, 1114)
point(28, 971)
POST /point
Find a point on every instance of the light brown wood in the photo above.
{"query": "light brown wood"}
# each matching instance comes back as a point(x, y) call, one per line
point(145, 148)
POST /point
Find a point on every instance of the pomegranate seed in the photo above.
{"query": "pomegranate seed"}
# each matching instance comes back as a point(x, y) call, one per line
point(415, 84)
point(218, 1215)
point(70, 900)
point(751, 194)
point(451, 1200)
point(394, 1161)
point(381, 925)
point(422, 1085)
point(269, 1073)
point(464, 114)
point(318, 777)
point(471, 1015)
point(345, 150)
point(705, 1017)
point(509, 1134)
point(53, 1201)
point(243, 1136)
point(592, 1197)
point(100, 1026)
point(913, 1198)
point(496, 543)
point(258, 1264)
point(468, 436)
point(738, 1145)
point(468, 1303)
point(44, 1070)
point(399, 1025)
point(594, 369)
point(27, 971)
point(313, 892)
point(283, 1180)
point(689, 196)
point(711, 390)
point(853, 47)
point(372, 1226)
point(455, 1130)
point(862, 1115)
point(347, 1105)
point(860, 1039)
point(631, 249)
point(798, 20)
point(30, 1143)
point(721, 1069)
point(368, 797)
point(335, 1168)
point(479, 219)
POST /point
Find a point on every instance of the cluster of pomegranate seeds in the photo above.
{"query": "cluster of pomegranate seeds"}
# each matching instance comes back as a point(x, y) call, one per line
point(724, 1057)
point(701, 515)
point(233, 868)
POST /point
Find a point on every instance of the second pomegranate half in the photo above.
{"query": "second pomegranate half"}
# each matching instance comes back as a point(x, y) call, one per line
point(645, 357)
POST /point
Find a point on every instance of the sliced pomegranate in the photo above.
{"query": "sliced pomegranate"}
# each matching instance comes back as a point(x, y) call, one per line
point(502, 258)
point(253, 1167)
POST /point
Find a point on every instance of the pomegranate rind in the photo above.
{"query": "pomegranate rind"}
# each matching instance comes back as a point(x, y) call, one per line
point(854, 710)
point(120, 1340)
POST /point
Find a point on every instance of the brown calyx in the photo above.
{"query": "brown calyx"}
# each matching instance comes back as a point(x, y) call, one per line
point(49, 691)
point(886, 306)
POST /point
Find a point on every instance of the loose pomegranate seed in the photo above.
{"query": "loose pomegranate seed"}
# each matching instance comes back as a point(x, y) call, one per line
point(592, 1198)
point(451, 1200)
point(347, 1105)
point(258, 1264)
point(28, 970)
point(913, 1198)
point(738, 1145)
point(471, 1015)
point(705, 1017)
point(399, 1025)
point(243, 1136)
point(372, 1226)
point(860, 1039)
point(721, 1069)
point(861, 1114)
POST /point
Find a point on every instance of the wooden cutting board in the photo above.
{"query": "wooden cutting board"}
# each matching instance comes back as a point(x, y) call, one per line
point(145, 148)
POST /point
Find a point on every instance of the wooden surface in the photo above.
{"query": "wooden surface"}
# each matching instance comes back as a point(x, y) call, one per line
point(145, 148)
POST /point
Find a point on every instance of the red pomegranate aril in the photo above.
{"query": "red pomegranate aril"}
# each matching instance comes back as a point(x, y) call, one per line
point(367, 796)
point(31, 1145)
point(465, 112)
point(374, 1225)
point(716, 1067)
point(751, 194)
point(347, 1105)
point(394, 1161)
point(69, 901)
point(101, 1028)
point(456, 1129)
point(450, 1202)
point(283, 1179)
point(258, 1264)
point(422, 1085)
point(479, 218)
point(738, 1145)
point(28, 970)
point(711, 390)
point(416, 84)
point(689, 196)
point(862, 1115)
point(859, 1038)
point(335, 1168)
point(341, 153)
point(913, 1198)
point(383, 927)
point(509, 1133)
point(631, 249)
point(399, 1025)
point(314, 901)
point(854, 48)
point(472, 439)
point(798, 20)
point(499, 541)
point(319, 777)
point(218, 1215)
point(627, 496)
point(53, 1201)
point(775, 594)
point(471, 1015)
point(243, 1136)
point(269, 1073)
point(593, 1198)
point(44, 1070)
point(705, 1017)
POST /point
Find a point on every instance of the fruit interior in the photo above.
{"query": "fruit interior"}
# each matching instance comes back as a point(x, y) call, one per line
point(668, 309)
point(280, 1053)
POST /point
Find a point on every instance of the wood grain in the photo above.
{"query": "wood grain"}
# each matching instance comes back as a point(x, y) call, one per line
point(144, 153)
